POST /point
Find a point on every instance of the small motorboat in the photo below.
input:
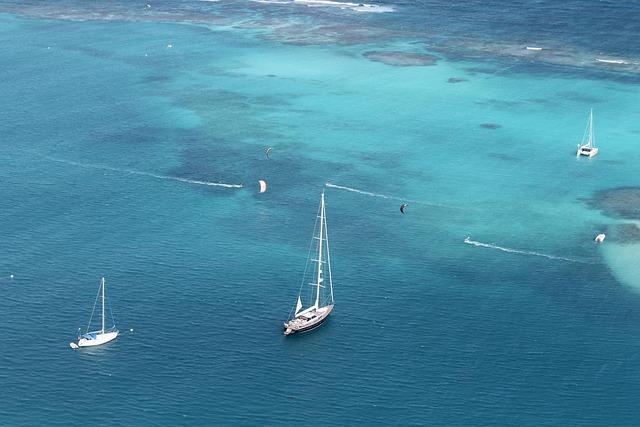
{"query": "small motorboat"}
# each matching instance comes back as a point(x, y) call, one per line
point(534, 48)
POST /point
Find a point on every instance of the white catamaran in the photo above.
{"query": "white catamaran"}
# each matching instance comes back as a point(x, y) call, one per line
point(314, 315)
point(587, 147)
point(90, 339)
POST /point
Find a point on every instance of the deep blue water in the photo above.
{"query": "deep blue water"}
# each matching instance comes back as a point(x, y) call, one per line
point(108, 135)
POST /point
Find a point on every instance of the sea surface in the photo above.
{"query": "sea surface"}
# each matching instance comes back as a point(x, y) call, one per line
point(132, 142)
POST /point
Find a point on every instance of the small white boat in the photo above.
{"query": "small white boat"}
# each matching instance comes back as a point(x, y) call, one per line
point(537, 49)
point(103, 336)
point(315, 315)
point(600, 238)
point(611, 61)
point(587, 147)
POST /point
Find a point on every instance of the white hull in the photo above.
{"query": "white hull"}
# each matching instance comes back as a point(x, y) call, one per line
point(307, 321)
point(97, 339)
point(586, 151)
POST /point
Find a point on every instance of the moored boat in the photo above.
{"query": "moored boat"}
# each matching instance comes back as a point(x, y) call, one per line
point(99, 337)
point(317, 312)
point(587, 148)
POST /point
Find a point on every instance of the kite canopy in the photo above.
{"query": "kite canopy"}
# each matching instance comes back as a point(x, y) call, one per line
point(263, 185)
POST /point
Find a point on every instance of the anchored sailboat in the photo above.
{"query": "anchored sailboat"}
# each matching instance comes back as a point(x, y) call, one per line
point(317, 312)
point(90, 339)
point(587, 147)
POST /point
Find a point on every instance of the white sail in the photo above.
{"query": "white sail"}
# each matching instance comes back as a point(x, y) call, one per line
point(298, 305)
point(263, 185)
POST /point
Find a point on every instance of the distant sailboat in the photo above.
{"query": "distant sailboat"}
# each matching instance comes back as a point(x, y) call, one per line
point(314, 315)
point(90, 339)
point(587, 147)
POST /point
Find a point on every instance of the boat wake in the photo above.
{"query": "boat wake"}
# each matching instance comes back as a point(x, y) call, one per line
point(468, 241)
point(384, 196)
point(147, 174)
point(366, 193)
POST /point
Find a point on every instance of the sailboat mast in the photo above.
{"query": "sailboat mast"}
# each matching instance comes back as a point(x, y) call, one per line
point(591, 127)
point(319, 278)
point(102, 305)
point(328, 257)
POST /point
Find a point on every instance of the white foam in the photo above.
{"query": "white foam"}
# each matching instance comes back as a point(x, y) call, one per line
point(357, 7)
point(468, 241)
point(147, 174)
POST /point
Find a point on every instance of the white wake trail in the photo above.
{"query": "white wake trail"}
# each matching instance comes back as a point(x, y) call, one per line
point(384, 196)
point(468, 241)
point(147, 174)
point(366, 193)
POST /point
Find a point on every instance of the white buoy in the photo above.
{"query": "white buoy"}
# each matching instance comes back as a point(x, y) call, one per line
point(600, 238)
point(11, 276)
point(131, 330)
point(169, 46)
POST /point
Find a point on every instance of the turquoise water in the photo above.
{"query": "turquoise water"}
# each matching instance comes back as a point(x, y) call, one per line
point(115, 146)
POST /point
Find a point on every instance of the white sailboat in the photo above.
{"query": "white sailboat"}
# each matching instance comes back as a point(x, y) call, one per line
point(103, 336)
point(587, 147)
point(317, 312)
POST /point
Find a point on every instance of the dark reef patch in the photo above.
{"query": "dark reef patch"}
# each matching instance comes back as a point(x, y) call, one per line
point(480, 70)
point(156, 78)
point(456, 80)
point(499, 103)
point(621, 202)
point(490, 126)
point(627, 233)
point(504, 157)
point(401, 59)
point(579, 96)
